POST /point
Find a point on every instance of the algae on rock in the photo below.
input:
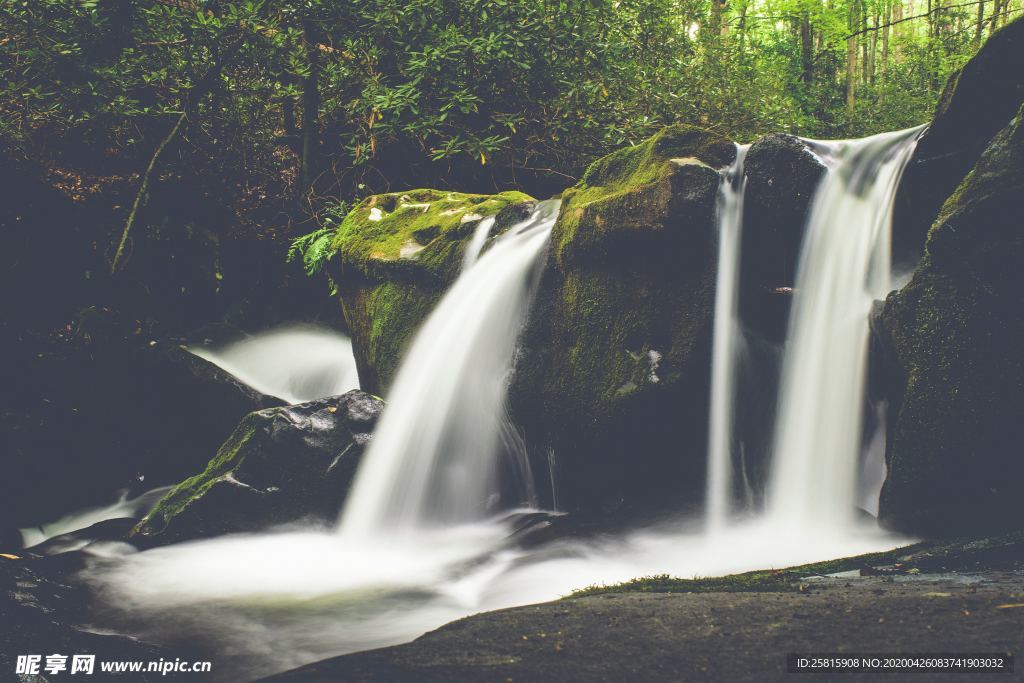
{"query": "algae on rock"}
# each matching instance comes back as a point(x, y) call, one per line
point(278, 466)
point(612, 378)
point(396, 255)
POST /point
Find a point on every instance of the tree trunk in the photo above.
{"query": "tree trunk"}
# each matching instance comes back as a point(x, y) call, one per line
point(864, 41)
point(310, 107)
point(873, 54)
point(979, 24)
point(715, 24)
point(806, 49)
point(742, 26)
point(851, 58)
point(887, 18)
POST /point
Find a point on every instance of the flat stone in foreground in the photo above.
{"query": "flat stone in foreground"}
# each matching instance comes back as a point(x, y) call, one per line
point(707, 636)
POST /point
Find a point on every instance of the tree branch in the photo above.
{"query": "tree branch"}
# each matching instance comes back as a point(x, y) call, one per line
point(197, 92)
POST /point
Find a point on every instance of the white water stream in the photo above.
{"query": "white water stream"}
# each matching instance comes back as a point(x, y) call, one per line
point(844, 266)
point(725, 346)
point(436, 457)
point(423, 540)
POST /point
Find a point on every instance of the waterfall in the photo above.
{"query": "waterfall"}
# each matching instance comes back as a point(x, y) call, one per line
point(296, 363)
point(477, 242)
point(725, 349)
point(844, 266)
point(436, 456)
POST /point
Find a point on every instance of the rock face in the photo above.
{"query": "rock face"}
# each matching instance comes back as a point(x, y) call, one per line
point(782, 176)
point(611, 382)
point(954, 338)
point(396, 255)
point(280, 465)
point(976, 104)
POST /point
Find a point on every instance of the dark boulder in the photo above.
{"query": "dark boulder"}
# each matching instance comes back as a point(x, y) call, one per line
point(953, 338)
point(611, 382)
point(782, 176)
point(977, 102)
point(280, 465)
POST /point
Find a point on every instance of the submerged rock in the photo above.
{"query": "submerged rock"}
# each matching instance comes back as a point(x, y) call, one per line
point(975, 105)
point(611, 382)
point(280, 465)
point(396, 254)
point(953, 338)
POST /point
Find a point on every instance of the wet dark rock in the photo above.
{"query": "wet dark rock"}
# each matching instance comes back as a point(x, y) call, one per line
point(280, 465)
point(782, 176)
point(43, 613)
point(951, 341)
point(976, 104)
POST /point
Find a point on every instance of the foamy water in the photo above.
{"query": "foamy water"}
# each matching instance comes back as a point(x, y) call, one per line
point(271, 602)
point(295, 363)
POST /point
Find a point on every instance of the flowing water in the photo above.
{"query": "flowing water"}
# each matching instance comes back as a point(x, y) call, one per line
point(427, 535)
point(124, 507)
point(295, 363)
point(844, 266)
point(477, 242)
point(725, 352)
point(436, 455)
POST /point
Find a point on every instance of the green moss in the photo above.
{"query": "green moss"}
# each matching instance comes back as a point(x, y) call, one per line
point(962, 554)
point(756, 581)
point(420, 225)
point(227, 460)
point(623, 184)
point(395, 256)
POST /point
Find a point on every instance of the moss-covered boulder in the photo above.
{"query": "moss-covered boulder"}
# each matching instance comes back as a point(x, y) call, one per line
point(976, 103)
point(611, 382)
point(396, 255)
point(954, 337)
point(280, 465)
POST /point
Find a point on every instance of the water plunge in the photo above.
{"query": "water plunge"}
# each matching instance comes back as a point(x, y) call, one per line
point(726, 332)
point(436, 455)
point(844, 266)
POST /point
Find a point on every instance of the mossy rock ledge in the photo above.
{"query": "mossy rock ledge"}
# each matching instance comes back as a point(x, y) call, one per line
point(395, 256)
point(279, 466)
point(953, 341)
point(611, 381)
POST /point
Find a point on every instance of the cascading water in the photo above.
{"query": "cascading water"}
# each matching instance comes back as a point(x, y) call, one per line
point(844, 266)
point(726, 332)
point(477, 242)
point(435, 457)
point(279, 599)
point(295, 363)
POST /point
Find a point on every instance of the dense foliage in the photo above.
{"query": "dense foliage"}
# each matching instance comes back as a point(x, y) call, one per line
point(333, 99)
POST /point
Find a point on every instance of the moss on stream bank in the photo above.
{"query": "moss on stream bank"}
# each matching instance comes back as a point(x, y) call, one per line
point(959, 555)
